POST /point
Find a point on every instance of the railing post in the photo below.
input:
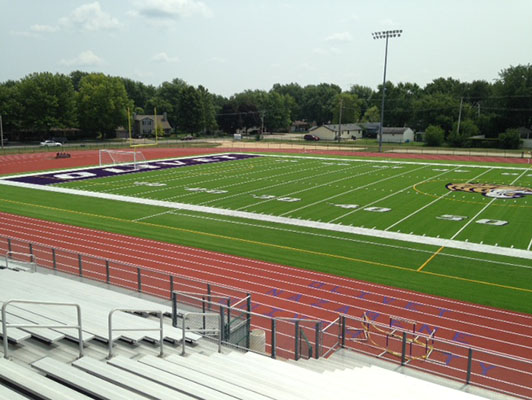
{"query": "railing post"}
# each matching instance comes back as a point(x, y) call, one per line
point(209, 295)
point(343, 331)
point(139, 280)
point(174, 309)
point(30, 246)
point(248, 320)
point(171, 285)
point(54, 262)
point(222, 323)
point(203, 311)
point(228, 333)
point(403, 350)
point(318, 341)
point(80, 265)
point(9, 244)
point(107, 272)
point(296, 340)
point(274, 338)
point(469, 362)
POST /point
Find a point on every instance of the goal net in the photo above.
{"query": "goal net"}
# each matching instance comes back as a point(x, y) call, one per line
point(122, 157)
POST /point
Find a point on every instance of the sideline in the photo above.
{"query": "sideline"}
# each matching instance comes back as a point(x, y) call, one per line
point(454, 244)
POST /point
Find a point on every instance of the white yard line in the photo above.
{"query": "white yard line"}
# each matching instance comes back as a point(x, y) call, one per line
point(350, 191)
point(153, 216)
point(303, 190)
point(482, 248)
point(386, 197)
point(432, 202)
point(529, 245)
point(481, 211)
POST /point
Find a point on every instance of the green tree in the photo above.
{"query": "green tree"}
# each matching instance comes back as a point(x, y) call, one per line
point(10, 107)
point(47, 101)
point(350, 108)
point(277, 112)
point(461, 138)
point(102, 105)
point(511, 139)
point(208, 114)
point(372, 114)
point(318, 102)
point(190, 111)
point(434, 136)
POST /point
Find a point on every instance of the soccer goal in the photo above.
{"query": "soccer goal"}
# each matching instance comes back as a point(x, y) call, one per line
point(122, 157)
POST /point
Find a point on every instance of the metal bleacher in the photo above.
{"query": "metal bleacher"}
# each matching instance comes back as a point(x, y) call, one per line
point(45, 363)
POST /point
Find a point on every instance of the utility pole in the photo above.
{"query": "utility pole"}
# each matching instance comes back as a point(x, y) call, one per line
point(459, 116)
point(384, 35)
point(1, 133)
point(340, 120)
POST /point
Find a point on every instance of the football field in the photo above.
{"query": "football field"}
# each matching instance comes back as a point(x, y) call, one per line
point(457, 230)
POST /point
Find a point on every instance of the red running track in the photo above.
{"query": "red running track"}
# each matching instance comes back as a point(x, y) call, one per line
point(284, 291)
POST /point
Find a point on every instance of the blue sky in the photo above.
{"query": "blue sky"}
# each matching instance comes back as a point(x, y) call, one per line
point(232, 45)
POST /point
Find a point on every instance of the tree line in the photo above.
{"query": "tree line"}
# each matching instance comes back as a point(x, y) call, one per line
point(92, 105)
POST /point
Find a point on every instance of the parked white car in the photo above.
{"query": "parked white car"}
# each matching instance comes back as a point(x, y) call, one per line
point(51, 143)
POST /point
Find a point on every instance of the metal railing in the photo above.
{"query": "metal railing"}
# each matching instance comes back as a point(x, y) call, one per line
point(451, 359)
point(5, 325)
point(159, 313)
point(9, 256)
point(211, 330)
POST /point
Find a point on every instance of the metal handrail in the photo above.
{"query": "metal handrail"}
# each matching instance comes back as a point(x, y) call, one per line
point(32, 258)
point(110, 323)
point(185, 328)
point(5, 325)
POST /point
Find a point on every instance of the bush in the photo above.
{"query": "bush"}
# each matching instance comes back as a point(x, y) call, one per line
point(434, 136)
point(510, 139)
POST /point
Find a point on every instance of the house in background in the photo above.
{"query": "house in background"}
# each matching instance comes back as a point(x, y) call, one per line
point(397, 135)
point(300, 126)
point(144, 125)
point(331, 132)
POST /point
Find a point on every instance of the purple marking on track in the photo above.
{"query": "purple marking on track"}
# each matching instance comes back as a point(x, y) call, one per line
point(93, 173)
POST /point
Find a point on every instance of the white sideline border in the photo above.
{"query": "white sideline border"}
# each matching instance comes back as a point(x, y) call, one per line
point(455, 244)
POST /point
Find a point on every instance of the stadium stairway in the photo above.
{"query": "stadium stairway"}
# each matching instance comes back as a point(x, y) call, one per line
point(51, 367)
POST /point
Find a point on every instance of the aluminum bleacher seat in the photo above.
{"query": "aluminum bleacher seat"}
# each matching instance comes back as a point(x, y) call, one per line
point(200, 378)
point(128, 380)
point(9, 394)
point(170, 380)
point(71, 334)
point(83, 381)
point(36, 384)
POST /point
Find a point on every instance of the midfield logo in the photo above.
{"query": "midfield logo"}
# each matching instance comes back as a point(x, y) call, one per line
point(491, 190)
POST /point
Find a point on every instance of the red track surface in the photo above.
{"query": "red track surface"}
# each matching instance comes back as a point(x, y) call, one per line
point(284, 291)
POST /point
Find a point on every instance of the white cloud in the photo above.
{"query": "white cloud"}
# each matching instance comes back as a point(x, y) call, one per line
point(84, 59)
point(171, 9)
point(163, 57)
point(90, 17)
point(32, 35)
point(339, 37)
point(44, 28)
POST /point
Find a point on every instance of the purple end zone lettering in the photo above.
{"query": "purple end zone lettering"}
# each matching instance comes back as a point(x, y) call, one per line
point(316, 285)
point(103, 172)
point(427, 329)
point(372, 315)
point(387, 300)
point(334, 289)
point(362, 295)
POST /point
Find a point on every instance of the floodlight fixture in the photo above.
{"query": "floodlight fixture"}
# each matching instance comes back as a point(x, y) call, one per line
point(385, 35)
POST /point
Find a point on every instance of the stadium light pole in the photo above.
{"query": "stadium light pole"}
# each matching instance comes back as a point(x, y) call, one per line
point(384, 35)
